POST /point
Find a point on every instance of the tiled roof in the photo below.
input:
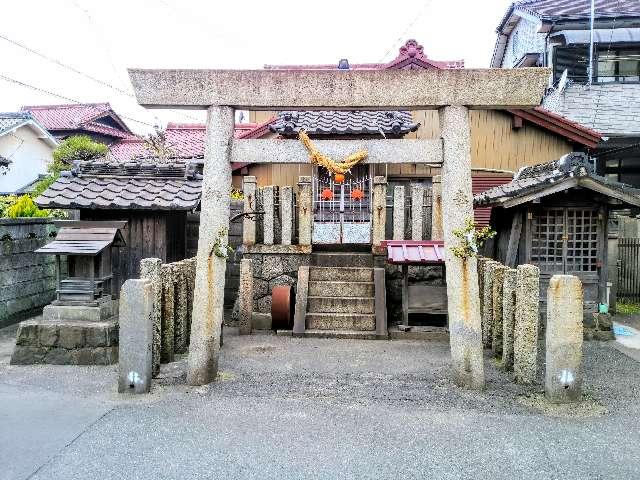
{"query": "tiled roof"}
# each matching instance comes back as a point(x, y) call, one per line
point(10, 120)
point(559, 9)
point(77, 116)
point(410, 56)
point(538, 178)
point(331, 122)
point(132, 185)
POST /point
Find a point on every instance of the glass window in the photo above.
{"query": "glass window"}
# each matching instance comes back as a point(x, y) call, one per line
point(618, 65)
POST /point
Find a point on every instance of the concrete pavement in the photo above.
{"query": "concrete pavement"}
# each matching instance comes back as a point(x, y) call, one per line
point(314, 408)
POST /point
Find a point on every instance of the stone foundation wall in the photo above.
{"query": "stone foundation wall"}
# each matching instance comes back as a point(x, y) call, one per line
point(27, 280)
point(273, 265)
point(72, 343)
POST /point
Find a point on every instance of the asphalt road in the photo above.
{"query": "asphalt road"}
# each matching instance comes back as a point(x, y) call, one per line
point(306, 408)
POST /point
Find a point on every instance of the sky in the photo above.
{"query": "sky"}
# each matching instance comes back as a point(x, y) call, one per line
point(100, 39)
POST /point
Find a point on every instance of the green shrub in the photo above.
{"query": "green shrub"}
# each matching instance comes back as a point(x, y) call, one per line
point(25, 207)
point(78, 147)
point(624, 308)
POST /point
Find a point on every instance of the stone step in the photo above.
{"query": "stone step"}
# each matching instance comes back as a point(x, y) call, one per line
point(341, 321)
point(342, 289)
point(341, 259)
point(342, 334)
point(321, 304)
point(341, 274)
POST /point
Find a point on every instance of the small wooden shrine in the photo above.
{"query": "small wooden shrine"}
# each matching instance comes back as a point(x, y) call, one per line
point(85, 249)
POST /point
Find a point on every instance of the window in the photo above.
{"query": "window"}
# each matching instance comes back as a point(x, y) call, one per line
point(564, 240)
point(611, 64)
point(618, 65)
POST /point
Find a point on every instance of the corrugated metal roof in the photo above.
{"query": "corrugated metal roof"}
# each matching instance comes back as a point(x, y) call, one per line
point(479, 184)
point(82, 241)
point(415, 252)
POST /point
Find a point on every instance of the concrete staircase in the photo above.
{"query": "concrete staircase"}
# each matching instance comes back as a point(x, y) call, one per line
point(341, 296)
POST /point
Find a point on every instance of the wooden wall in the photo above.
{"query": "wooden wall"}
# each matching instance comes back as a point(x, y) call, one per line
point(157, 234)
point(496, 146)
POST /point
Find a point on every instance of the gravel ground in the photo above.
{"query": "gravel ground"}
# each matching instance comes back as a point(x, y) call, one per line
point(316, 408)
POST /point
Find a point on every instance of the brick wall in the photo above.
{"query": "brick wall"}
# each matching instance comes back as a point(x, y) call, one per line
point(611, 109)
point(27, 280)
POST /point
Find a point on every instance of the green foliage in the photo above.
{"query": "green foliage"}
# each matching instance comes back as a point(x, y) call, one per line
point(628, 308)
point(471, 239)
point(5, 203)
point(77, 147)
point(24, 206)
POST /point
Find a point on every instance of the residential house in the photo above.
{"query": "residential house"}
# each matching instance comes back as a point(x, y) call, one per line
point(97, 120)
point(557, 34)
point(26, 149)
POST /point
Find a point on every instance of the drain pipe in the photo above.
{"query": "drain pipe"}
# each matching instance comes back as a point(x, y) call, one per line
point(593, 14)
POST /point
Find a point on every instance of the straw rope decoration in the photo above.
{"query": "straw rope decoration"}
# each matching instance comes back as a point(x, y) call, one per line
point(318, 158)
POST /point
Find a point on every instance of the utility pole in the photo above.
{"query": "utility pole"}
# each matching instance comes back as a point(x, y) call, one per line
point(590, 71)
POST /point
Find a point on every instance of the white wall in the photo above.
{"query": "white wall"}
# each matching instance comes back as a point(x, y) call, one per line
point(523, 39)
point(30, 156)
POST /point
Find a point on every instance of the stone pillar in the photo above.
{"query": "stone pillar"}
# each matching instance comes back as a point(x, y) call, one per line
point(487, 302)
point(245, 297)
point(462, 274)
point(136, 336)
point(481, 261)
point(305, 213)
point(508, 316)
point(180, 306)
point(417, 210)
point(268, 217)
point(208, 301)
point(302, 293)
point(191, 283)
point(563, 375)
point(436, 208)
point(525, 337)
point(168, 345)
point(249, 221)
point(286, 213)
point(496, 329)
point(379, 204)
point(398, 213)
point(150, 270)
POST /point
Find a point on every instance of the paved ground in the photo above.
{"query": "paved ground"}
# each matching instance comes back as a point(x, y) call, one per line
point(311, 408)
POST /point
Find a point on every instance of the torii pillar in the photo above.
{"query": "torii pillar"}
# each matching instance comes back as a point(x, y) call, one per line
point(451, 91)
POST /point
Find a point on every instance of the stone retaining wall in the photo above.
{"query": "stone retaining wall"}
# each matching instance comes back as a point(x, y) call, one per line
point(273, 265)
point(27, 280)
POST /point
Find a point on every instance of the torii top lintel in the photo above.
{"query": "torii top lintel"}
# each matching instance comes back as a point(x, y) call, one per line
point(353, 89)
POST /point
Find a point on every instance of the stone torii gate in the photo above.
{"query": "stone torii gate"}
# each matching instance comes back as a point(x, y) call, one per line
point(452, 92)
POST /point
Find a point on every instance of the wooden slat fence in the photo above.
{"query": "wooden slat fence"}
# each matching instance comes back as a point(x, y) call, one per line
point(629, 269)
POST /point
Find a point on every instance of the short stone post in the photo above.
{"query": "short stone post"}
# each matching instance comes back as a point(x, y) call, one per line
point(302, 293)
point(481, 261)
point(508, 316)
point(305, 213)
point(268, 217)
point(487, 302)
point(462, 274)
point(417, 210)
point(181, 304)
point(136, 336)
point(168, 319)
point(436, 208)
point(525, 336)
point(563, 375)
point(398, 212)
point(245, 297)
point(191, 282)
point(379, 204)
point(150, 270)
point(496, 333)
point(249, 219)
point(286, 213)
point(208, 301)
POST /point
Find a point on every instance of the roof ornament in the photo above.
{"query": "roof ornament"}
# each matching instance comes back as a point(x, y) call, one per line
point(412, 49)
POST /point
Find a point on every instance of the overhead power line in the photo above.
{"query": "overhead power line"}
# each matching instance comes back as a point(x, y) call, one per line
point(404, 32)
point(63, 97)
point(80, 72)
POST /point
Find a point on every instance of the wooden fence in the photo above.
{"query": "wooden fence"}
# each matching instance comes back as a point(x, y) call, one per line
point(629, 269)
